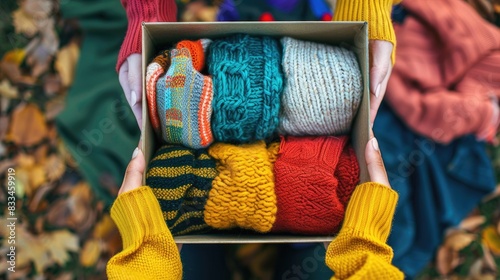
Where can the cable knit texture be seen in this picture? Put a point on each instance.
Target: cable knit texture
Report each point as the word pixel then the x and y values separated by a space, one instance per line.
pixel 155 69
pixel 139 11
pixel 149 251
pixel 315 176
pixel 184 100
pixel 323 89
pixel 360 251
pixel 446 83
pixel 376 12
pixel 242 194
pixel 248 83
pixel 181 179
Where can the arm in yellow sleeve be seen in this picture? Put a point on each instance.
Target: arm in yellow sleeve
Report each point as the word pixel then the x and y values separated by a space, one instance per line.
pixel 360 251
pixel 149 250
pixel 376 12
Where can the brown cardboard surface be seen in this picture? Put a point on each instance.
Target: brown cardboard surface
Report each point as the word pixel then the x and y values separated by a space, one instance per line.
pixel 354 35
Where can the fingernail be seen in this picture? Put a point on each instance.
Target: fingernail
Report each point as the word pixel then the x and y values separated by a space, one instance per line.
pixel 133 98
pixel 377 91
pixel 375 144
pixel 135 153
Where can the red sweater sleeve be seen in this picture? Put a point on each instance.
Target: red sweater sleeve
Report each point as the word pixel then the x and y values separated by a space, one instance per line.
pixel 139 11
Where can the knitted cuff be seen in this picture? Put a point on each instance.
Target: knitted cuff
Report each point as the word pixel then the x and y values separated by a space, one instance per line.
pixel 138 215
pixel 181 180
pixel 184 100
pixel 370 210
pixel 242 194
pixel 139 11
pixel 323 89
pixel 376 13
pixel 310 191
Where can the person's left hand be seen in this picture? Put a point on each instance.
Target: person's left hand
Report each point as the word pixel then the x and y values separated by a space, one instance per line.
pixel 133 176
pixel 380 71
pixel 130 79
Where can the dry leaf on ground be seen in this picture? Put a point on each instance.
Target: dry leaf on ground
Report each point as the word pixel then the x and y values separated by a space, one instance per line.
pixel 24 23
pixel 492 239
pixel 38 9
pixel 65 63
pixel 28 126
pixel 448 254
pixel 59 243
pixel 54 167
pixel 90 253
pixel 8 90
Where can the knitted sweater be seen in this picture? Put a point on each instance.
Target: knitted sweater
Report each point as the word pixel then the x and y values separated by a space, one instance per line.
pixel 358 252
pixel 376 12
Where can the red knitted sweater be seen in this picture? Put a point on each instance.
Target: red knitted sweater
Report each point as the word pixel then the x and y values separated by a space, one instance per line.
pixel 139 11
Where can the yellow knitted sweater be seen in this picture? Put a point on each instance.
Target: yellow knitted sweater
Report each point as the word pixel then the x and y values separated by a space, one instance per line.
pixel 358 252
pixel 376 12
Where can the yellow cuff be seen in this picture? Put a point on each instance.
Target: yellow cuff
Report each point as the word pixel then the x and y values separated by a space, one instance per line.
pixel 370 210
pixel 376 12
pixel 137 215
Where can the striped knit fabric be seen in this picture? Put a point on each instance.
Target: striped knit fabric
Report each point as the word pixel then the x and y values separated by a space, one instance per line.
pixel 248 83
pixel 154 70
pixel 184 100
pixel 242 194
pixel 181 179
pixel 323 89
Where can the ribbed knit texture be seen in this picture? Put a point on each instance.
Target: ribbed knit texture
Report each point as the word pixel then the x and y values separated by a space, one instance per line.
pixel 181 179
pixel 139 11
pixel 315 176
pixel 149 251
pixel 155 69
pixel 376 13
pixel 197 50
pixel 242 194
pixel 184 100
pixel 360 251
pixel 323 89
pixel 447 77
pixel 248 83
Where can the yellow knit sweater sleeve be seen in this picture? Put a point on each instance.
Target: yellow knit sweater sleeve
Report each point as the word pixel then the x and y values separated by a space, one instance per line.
pixel 376 12
pixel 149 250
pixel 360 251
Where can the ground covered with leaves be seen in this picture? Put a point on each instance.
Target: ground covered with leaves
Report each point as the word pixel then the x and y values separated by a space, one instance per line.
pixel 62 230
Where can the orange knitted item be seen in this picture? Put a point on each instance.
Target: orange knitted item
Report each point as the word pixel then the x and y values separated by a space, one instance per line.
pixel 196 50
pixel 315 177
pixel 155 69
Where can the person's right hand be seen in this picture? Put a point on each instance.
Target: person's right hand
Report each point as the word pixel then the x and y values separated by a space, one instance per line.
pixel 375 164
pixel 131 82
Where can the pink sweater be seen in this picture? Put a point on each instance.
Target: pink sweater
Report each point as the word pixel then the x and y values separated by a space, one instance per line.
pixel 447 76
pixel 137 12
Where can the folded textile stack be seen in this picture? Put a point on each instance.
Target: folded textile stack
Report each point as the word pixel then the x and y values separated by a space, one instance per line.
pixel 255 134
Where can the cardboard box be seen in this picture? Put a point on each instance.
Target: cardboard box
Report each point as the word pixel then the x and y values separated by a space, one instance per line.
pixel 158 36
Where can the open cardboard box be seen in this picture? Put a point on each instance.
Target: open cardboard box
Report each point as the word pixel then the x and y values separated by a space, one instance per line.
pixel 354 35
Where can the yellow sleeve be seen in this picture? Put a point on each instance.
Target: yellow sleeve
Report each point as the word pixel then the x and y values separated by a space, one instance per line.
pixel 360 251
pixel 376 12
pixel 149 250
